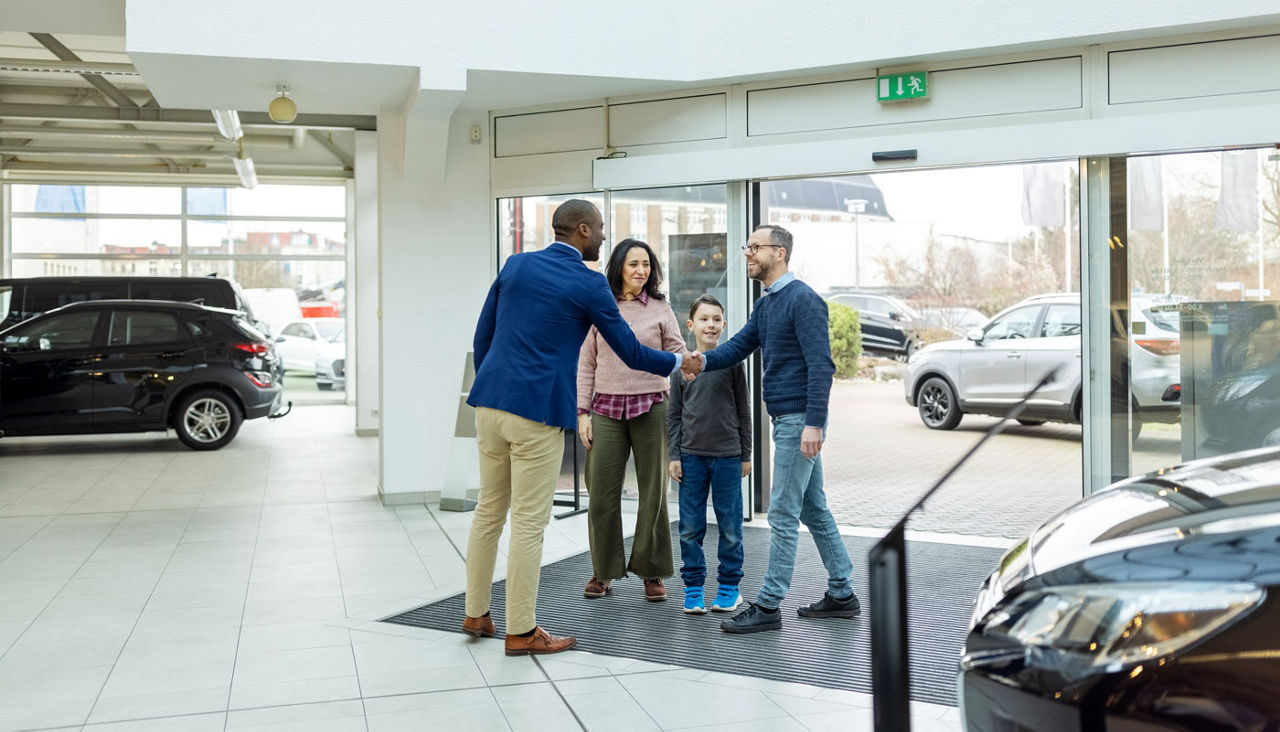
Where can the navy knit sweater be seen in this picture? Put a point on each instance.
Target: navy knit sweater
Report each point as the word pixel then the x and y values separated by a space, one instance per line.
pixel 790 328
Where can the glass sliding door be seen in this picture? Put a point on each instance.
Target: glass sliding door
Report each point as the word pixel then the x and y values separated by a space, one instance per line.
pixel 965 285
pixel 1197 320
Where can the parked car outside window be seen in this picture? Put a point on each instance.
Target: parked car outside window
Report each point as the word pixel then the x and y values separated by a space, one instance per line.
pixel 889 326
pixel 997 364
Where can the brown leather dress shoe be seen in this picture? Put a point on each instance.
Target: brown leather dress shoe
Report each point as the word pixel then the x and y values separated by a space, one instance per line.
pixel 654 591
pixel 481 627
pixel 539 643
pixel 596 588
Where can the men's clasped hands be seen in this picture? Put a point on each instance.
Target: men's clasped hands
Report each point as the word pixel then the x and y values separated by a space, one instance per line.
pixel 691 365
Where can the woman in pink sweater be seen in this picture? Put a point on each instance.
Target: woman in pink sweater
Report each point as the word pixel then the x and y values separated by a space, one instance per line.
pixel 623 412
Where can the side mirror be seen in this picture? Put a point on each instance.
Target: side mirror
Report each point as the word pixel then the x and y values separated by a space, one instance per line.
pixel 975 334
pixel 280 339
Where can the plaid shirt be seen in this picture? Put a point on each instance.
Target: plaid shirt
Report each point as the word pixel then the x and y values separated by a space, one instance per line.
pixel 625 406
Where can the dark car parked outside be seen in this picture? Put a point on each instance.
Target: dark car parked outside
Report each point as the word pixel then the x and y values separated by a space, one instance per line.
pixel 135 366
pixel 1154 604
pixel 889 325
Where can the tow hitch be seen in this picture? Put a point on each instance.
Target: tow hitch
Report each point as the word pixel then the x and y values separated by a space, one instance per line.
pixel 288 407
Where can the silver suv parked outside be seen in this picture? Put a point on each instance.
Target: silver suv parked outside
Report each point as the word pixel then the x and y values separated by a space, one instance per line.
pixel 997 364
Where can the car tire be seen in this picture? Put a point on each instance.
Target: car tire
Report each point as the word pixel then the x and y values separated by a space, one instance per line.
pixel 207 419
pixel 937 404
pixel 1031 422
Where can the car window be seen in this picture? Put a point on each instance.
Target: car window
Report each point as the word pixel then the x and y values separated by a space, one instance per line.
pixel 69 330
pixel 298 330
pixel 140 328
pixel 330 330
pixel 876 305
pixel 1061 320
pixel 1013 324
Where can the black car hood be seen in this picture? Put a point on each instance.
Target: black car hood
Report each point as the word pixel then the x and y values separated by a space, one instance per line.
pixel 1213 498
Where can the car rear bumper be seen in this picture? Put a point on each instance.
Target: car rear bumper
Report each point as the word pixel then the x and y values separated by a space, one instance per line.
pixel 262 401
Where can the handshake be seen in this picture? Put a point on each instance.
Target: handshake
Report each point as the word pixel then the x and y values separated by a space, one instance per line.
pixel 691 364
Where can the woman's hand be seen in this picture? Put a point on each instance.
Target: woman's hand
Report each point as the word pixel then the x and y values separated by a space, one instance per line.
pixel 746 468
pixel 584 430
pixel 674 470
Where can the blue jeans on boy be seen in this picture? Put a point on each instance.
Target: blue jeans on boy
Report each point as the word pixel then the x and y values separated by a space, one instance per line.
pixel 797 496
pixel 722 476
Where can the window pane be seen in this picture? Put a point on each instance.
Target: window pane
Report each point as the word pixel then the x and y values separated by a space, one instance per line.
pixel 284 238
pixel 686 226
pixel 280 291
pixel 97 236
pixel 143 328
pixel 1017 324
pixel 268 200
pixel 1203 269
pixel 97 267
pixel 96 199
pixel 1061 320
pixel 524 224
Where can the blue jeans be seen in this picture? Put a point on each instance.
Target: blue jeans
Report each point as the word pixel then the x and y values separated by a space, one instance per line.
pixel 723 476
pixel 797 496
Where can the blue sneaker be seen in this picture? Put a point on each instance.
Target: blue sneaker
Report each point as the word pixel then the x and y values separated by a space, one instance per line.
pixel 727 599
pixel 694 602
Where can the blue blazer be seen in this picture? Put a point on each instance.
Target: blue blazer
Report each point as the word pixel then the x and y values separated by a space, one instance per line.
pixel 531 328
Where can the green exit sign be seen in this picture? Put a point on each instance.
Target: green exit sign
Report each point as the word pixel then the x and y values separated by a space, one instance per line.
pixel 901 87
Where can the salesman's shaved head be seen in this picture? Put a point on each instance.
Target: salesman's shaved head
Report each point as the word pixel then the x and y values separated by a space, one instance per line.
pixel 571 214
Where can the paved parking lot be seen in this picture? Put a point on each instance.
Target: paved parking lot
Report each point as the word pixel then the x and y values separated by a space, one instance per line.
pixel 879 458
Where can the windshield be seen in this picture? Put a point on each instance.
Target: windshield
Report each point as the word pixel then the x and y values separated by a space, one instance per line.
pixel 331 330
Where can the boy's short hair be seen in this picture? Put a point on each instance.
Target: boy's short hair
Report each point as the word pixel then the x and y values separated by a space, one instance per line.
pixel 704 300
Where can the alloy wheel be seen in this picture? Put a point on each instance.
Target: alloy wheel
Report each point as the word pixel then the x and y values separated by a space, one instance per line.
pixel 207 420
pixel 935 404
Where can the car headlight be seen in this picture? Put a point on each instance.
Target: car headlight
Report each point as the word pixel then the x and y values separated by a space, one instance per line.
pixel 1092 628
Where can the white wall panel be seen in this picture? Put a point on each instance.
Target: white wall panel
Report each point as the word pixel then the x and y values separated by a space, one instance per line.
pixel 1028 86
pixel 1195 70
pixel 668 120
pixel 549 132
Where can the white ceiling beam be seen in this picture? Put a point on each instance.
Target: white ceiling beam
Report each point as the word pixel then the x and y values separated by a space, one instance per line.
pixel 91 152
pixel 23 132
pixel 69 113
pixel 67 67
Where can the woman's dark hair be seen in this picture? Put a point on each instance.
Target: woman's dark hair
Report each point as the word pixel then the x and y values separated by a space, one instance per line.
pixel 701 300
pixel 613 270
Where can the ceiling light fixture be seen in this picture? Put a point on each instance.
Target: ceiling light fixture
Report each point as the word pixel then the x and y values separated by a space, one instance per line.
pixel 244 169
pixel 282 109
pixel 228 124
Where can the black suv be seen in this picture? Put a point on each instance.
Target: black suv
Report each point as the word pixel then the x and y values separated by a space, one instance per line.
pixel 889 325
pixel 136 366
pixel 27 297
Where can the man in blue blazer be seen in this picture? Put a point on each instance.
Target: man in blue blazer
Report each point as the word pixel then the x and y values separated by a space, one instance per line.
pixel 526 353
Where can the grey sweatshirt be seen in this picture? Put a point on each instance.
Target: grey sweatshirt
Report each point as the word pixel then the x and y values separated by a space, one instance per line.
pixel 711 415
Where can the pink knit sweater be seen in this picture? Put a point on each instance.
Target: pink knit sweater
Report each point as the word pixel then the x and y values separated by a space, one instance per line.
pixel 601 371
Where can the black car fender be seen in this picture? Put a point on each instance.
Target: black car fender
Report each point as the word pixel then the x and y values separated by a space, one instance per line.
pixel 209 381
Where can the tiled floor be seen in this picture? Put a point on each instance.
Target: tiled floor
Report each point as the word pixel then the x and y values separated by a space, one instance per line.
pixel 144 586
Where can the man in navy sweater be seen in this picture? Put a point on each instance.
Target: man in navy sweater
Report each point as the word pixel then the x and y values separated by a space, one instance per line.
pixel 789 326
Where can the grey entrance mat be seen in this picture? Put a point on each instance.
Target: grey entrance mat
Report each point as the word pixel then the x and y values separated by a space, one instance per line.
pixel 834 653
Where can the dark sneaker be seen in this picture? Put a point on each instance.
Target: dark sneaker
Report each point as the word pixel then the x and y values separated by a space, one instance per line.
pixel 830 607
pixel 753 620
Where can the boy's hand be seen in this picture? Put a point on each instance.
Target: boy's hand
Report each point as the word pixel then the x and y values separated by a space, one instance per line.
pixel 746 468
pixel 584 430
pixel 811 442
pixel 674 470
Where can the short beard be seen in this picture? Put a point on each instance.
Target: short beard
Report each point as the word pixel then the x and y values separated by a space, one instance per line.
pixel 591 253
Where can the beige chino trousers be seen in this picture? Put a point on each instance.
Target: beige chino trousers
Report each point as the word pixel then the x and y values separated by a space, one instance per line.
pixel 519 467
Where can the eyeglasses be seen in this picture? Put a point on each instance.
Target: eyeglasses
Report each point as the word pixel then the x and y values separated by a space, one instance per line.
pixel 755 248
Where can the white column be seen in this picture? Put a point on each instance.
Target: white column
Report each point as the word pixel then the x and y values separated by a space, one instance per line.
pixel 435 270
pixel 363 292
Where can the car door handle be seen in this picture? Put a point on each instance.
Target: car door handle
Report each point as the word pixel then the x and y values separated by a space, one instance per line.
pixel 1015 354
pixel 171 354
